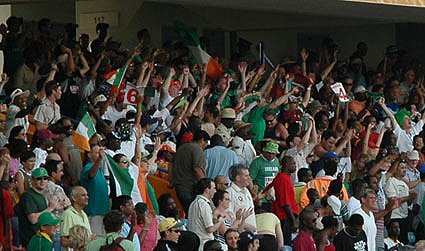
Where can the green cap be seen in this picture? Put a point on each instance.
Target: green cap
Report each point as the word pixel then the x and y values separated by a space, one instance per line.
pixel 39 172
pixel 48 219
pixel 271 147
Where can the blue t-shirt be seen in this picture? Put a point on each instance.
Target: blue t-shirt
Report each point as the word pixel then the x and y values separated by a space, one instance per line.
pixel 97 188
pixel 125 231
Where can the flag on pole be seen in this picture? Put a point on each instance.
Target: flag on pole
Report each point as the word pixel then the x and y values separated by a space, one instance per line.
pixel 214 69
pixel 115 78
pixel 84 132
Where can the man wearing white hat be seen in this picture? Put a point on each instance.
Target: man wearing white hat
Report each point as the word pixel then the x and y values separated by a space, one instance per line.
pixel 17 114
pixel 412 177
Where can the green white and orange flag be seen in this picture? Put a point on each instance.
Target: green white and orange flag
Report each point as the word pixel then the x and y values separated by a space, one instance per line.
pixel 214 69
pixel 84 132
pixel 116 77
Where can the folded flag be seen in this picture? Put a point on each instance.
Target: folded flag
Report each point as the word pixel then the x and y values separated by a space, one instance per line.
pixel 214 69
pixel 84 132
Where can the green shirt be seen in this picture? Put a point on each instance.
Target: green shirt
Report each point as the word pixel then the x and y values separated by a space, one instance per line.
pixel 255 117
pixel 39 243
pixel 108 239
pixel 263 171
pixel 32 202
pixel 231 95
pixel 72 217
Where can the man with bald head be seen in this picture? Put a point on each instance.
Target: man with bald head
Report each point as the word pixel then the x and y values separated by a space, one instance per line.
pixel 75 215
pixel 221 182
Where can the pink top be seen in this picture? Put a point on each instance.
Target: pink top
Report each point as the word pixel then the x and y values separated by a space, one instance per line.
pixel 13 166
pixel 151 238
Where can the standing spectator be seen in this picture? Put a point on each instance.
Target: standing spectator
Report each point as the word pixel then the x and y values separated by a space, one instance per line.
pixel 219 158
pixel 397 188
pixel 221 182
pixel 189 167
pixel 242 142
pixel 125 205
pixel 225 127
pixel 418 222
pixel 118 109
pixel 42 239
pixel 32 204
pixel 75 215
pixel 45 142
pixel 275 131
pixel 357 186
pixel 352 237
pixel 240 197
pixel 113 222
pixel 285 205
pixel 268 224
pixel 55 192
pixel 17 113
pixel 369 226
pixel 147 227
pixel 201 212
pixel 170 233
pixel 412 177
pixel 93 179
pixel 264 168
pixel 323 237
pixel 6 210
pixel 23 176
pixel 49 111
pixel 304 240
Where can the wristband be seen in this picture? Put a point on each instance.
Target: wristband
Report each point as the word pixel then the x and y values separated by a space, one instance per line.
pixel 145 229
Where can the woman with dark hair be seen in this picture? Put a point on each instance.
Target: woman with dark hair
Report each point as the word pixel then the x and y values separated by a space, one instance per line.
pixel 17 132
pixel 15 150
pixel 168 207
pixel 147 227
pixel 221 201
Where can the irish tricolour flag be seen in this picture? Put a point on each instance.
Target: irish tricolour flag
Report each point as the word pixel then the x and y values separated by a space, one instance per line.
pixel 116 77
pixel 214 70
pixel 83 133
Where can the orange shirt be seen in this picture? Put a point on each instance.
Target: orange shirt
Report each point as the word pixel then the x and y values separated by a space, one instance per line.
pixel 321 185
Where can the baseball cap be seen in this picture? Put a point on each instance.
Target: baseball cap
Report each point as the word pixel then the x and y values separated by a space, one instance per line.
pixel 360 89
pixel 100 98
pixel 331 154
pixel 39 172
pixel 413 155
pixel 147 120
pixel 45 134
pixel 48 219
pixel 335 204
pixel 169 223
pixel 271 147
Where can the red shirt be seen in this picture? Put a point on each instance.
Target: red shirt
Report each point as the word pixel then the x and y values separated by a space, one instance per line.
pixel 285 195
pixel 304 242
pixel 8 213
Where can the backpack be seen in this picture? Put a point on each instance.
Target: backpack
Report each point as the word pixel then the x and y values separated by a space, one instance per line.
pixel 114 246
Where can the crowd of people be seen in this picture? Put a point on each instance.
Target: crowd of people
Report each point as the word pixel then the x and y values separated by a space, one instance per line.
pixel 319 153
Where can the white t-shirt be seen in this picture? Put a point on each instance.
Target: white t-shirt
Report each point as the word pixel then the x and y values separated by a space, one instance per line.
pixel 369 227
pixel 352 205
pixel 40 157
pixel 113 114
pixel 395 188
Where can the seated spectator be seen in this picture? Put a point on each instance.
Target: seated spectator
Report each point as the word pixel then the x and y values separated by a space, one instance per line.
pixel 248 241
pixel 170 233
pixel 231 236
pixel 113 222
pixel 392 242
pixel 42 239
pixel 23 176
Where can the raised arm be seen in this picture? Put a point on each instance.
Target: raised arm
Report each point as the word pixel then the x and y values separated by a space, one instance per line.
pixel 328 69
pixel 387 111
pixel 166 85
pixel 93 72
pixel 283 99
pixel 242 66
pixel 304 56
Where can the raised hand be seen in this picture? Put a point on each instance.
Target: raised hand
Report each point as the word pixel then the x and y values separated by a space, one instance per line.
pixel 243 66
pixel 304 54
pixel 172 71
pixel 186 70
pixel 261 70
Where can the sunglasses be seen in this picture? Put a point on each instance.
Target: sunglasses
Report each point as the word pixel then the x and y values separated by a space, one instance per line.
pixel 124 161
pixel 175 230
pixel 41 178
pixel 226 184
pixel 269 121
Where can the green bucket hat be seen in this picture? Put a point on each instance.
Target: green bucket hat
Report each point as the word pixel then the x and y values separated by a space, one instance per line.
pixel 47 219
pixel 39 172
pixel 271 147
pixel 400 115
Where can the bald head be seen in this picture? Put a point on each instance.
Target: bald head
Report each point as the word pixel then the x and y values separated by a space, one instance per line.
pixel 54 156
pixel 221 182
pixel 79 197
